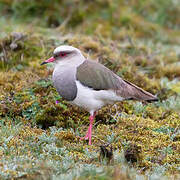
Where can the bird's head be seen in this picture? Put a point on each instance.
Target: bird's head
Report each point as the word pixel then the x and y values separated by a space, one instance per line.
pixel 64 53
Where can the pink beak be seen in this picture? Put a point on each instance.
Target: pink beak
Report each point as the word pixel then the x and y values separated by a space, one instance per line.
pixel 51 59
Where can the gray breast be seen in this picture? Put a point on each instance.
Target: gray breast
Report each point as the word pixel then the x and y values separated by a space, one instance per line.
pixel 64 82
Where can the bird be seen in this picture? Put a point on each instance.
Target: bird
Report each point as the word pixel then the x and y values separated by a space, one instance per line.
pixel 90 85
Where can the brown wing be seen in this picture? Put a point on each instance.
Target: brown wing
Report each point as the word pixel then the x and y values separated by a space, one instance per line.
pixel 98 77
pixel 131 91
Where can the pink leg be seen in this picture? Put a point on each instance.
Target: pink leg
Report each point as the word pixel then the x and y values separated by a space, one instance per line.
pixel 91 118
pixel 89 132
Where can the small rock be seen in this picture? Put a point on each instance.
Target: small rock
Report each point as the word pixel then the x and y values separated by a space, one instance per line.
pixel 17 36
pixel 132 153
pixel 106 153
pixel 13 46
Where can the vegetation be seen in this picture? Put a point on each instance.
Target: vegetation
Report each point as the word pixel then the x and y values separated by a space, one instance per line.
pixel 138 40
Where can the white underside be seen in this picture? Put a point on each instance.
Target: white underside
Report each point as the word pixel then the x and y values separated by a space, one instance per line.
pixel 92 100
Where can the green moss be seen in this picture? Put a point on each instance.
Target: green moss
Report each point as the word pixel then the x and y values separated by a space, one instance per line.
pixel 40 139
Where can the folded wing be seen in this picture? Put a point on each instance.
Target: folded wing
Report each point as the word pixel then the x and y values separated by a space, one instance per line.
pixel 98 77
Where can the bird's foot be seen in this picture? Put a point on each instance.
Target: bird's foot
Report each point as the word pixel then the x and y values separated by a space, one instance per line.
pixel 86 136
pixel 89 132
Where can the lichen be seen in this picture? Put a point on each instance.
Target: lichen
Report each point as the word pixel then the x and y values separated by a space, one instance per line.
pixel 40 138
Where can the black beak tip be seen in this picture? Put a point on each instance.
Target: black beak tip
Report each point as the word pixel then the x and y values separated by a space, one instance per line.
pixel 43 63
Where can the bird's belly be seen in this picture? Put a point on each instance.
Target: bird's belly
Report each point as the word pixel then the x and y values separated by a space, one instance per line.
pixel 92 100
pixel 85 98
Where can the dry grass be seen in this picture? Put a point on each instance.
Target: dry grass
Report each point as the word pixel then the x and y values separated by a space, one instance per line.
pixel 38 138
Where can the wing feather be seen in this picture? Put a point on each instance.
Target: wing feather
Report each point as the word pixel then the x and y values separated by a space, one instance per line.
pixel 98 77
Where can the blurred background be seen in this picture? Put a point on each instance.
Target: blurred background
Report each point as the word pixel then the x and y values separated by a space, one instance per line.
pixel 108 18
pixel 137 39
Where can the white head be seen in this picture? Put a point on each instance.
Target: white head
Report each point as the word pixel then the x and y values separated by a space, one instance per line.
pixel 65 53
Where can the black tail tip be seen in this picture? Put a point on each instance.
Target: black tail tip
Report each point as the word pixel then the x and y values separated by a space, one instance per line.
pixel 152 100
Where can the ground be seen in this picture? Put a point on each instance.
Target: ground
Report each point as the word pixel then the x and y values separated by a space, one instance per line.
pixel 131 140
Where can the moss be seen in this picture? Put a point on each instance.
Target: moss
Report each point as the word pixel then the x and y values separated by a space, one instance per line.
pixel 120 35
